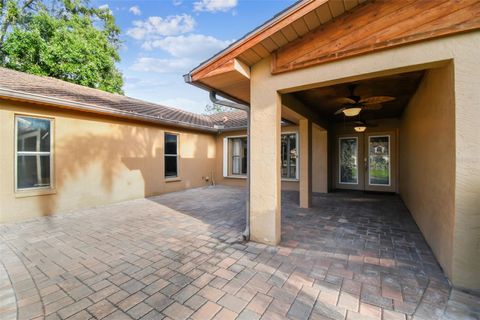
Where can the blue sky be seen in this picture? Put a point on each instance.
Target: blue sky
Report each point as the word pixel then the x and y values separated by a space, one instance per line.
pixel 162 40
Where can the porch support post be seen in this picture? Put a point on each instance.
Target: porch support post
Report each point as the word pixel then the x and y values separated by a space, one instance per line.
pixel 265 135
pixel 305 130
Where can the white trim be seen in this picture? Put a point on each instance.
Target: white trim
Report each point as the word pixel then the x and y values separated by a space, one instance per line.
pixel 297 164
pixel 255 32
pixel 389 163
pixel 225 157
pixel 340 161
pixel 16 153
pixel 177 176
pixel 297 146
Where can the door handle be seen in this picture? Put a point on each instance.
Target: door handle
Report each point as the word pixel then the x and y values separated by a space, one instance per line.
pixel 365 161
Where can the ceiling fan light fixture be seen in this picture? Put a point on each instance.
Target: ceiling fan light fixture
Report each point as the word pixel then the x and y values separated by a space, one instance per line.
pixel 352 112
pixel 360 128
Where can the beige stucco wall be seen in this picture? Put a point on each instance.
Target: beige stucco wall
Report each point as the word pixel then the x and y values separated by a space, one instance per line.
pixel 319 159
pixel 99 160
pixel 462 51
pixel 427 161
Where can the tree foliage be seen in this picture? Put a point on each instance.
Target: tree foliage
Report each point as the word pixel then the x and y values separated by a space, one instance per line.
pixel 65 39
pixel 216 108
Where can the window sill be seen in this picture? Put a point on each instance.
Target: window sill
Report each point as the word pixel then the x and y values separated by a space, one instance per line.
pixel 34 192
pixel 245 177
pixel 176 179
pixel 236 177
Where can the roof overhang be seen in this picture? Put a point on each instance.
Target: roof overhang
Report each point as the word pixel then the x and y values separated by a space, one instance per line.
pixel 311 32
pixel 218 72
pixel 84 107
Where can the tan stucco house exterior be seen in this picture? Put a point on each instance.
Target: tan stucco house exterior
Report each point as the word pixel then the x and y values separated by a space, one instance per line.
pixel 67 147
pixel 300 66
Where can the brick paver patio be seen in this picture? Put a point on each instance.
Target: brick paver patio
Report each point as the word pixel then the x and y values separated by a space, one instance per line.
pixel 178 256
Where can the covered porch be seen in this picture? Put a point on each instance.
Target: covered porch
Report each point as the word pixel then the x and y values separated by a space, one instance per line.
pixel 298 64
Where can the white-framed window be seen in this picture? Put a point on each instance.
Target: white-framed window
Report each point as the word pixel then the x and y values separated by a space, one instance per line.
pixel 33 153
pixel 235 156
pixel 171 155
pixel 289 155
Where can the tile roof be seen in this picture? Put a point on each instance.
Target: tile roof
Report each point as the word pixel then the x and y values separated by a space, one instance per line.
pixel 230 119
pixel 55 88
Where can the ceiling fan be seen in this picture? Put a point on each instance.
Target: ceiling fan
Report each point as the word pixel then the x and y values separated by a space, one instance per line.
pixel 353 104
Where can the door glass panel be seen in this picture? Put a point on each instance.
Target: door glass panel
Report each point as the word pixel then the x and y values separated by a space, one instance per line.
pixel 348 154
pixel 379 160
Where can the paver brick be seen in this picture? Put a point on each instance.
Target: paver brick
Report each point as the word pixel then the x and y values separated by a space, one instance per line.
pixel 101 309
pixel 233 303
pixel 363 260
pixel 132 301
pixel 139 310
pixel 207 311
pixel 159 301
pixel 225 314
pixel 177 311
pixel 259 303
pixel 74 308
pixel 211 293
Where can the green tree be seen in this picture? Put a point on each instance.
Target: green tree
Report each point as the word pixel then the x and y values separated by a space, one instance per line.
pixel 216 108
pixel 67 40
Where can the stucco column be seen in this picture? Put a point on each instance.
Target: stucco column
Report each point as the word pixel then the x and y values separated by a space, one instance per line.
pixel 466 242
pixel 265 134
pixel 305 131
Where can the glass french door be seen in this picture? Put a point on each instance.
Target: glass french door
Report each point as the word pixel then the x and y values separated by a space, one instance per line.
pixel 349 168
pixel 348 157
pixel 366 161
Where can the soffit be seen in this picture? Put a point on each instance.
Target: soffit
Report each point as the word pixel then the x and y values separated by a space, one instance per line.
pixel 401 86
pixel 288 26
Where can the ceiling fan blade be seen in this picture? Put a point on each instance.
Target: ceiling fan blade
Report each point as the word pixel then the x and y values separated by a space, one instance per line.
pixel 378 99
pixel 362 123
pixel 345 100
pixel 375 106
pixel 339 111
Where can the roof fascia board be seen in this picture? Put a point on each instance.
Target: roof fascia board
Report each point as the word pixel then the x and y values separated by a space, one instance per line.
pixel 296 11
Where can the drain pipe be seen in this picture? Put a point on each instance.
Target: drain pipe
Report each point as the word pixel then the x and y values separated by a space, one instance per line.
pixel 246 108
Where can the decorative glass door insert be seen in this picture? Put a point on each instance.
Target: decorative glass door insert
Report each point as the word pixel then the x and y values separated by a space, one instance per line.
pixel 379 160
pixel 348 156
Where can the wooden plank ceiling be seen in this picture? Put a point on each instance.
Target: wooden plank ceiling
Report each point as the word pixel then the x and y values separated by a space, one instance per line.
pixel 309 17
pixel 319 31
pixel 297 29
pixel 378 25
pixel 401 86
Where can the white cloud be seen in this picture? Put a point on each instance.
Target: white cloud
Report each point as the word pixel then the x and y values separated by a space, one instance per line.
pixel 154 26
pixel 160 65
pixel 176 3
pixel 105 7
pixel 184 104
pixel 135 10
pixel 214 5
pixel 197 46
pixel 137 83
